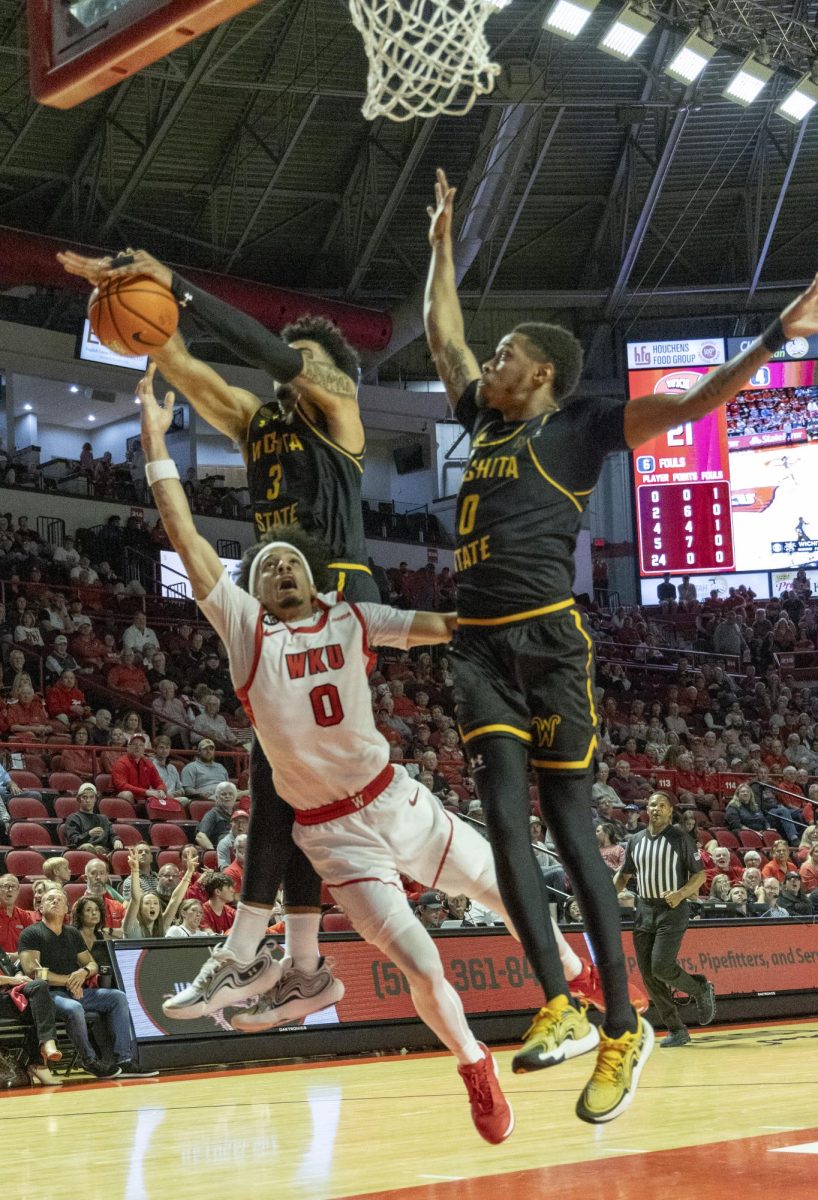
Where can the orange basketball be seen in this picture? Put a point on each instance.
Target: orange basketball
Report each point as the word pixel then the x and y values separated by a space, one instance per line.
pixel 133 315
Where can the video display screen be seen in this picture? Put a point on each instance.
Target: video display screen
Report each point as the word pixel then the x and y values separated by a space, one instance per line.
pixel 737 491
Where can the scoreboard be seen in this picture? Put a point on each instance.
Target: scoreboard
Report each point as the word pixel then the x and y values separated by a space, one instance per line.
pixel 682 482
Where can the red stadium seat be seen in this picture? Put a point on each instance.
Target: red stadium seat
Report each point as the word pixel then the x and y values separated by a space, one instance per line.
pixel 25 864
pixel 117 810
pixel 26 808
pixel 725 838
pixel 168 856
pixel 704 836
pixel 36 763
pixel 120 864
pixel 25 897
pixel 163 835
pixel 65 782
pixel 129 835
pixel 717 821
pixel 29 833
pixel 27 780
pixel 198 808
pixel 104 784
pixel 750 840
pixel 74 892
pixel 770 836
pixel 64 806
pixel 210 862
pixel 336 922
pixel 76 860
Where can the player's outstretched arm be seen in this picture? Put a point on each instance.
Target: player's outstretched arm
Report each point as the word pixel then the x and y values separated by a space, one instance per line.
pixel 228 409
pixel 430 628
pixel 442 316
pixel 201 561
pixel 647 416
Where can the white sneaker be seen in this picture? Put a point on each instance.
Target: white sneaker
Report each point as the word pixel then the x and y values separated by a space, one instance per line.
pixel 297 994
pixel 223 981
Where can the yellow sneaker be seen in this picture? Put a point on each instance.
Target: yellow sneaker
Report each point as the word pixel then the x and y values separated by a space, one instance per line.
pixel 619 1064
pixel 559 1031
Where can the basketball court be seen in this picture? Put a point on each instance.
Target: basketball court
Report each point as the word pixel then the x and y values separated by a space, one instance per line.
pixel 736 1109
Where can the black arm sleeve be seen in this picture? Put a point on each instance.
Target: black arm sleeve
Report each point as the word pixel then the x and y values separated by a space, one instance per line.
pixel 246 337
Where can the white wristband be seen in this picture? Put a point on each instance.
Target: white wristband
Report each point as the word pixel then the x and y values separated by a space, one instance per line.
pixel 163 468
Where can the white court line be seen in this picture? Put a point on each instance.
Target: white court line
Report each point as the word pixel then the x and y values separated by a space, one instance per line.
pixel 782 1128
pixel 452 1177
pixel 804 1148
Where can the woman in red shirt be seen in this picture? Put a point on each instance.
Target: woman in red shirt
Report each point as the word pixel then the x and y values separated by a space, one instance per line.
pixel 76 758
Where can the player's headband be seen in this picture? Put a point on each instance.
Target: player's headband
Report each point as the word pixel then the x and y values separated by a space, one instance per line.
pixel 272 548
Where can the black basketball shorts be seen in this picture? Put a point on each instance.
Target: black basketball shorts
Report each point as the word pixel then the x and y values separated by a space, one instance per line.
pixel 532 681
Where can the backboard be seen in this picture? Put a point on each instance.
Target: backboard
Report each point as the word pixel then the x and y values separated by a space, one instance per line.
pixel 79 48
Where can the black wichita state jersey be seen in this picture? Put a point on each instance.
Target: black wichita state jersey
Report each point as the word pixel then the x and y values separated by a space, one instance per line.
pixel 520 504
pixel 297 475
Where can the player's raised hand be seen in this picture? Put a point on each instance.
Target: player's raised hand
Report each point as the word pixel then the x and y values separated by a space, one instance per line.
pixel 93 269
pixel 139 262
pixel 156 416
pixel 441 215
pixel 800 319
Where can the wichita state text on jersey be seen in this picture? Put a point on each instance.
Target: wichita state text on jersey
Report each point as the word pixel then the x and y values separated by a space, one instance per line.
pixel 521 502
pixel 297 475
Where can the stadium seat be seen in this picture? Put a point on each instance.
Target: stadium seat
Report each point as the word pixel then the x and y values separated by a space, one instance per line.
pixel 717 821
pixel 750 840
pixel 210 862
pixel 25 864
pixel 770 836
pixel 64 806
pixel 65 782
pixel 725 838
pixel 168 856
pixel 120 864
pixel 25 897
pixel 73 892
pixel 104 784
pixel 26 808
pixel 129 835
pixel 163 835
pixel 76 860
pixel 198 808
pixel 36 763
pixel 27 780
pixel 336 922
pixel 29 833
pixel 117 810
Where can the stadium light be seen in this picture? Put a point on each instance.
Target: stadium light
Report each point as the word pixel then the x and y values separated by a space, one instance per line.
pixel 568 18
pixel 627 33
pixel 690 59
pixel 801 100
pixel 748 82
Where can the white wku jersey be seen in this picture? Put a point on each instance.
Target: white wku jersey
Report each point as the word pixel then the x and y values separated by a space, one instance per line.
pixel 305 688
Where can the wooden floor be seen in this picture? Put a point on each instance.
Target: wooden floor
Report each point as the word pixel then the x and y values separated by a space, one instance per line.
pixel 734 1113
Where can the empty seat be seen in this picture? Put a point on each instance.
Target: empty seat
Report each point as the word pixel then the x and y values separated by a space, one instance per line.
pixel 168 856
pixel 163 835
pixel 120 864
pixel 770 836
pixel 198 808
pixel 29 833
pixel 116 809
pixel 65 782
pixel 24 864
pixel 74 892
pixel 129 835
pixel 26 808
pixel 749 839
pixel 27 780
pixel 64 806
pixel 104 784
pixel 725 838
pixel 77 860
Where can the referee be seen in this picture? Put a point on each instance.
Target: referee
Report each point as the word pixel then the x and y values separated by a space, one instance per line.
pixel 668 870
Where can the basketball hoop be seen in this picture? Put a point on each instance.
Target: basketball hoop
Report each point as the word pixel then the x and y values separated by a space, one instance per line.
pixel 426 57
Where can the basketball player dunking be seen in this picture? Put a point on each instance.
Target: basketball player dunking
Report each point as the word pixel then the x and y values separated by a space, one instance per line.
pixel 305 462
pixel 522 657
pixel 300 663
pixel 305 457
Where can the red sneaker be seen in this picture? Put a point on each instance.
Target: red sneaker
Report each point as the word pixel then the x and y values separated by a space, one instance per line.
pixel 491 1112
pixel 588 987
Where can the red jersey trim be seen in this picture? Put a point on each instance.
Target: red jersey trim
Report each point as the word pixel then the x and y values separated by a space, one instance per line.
pixel 445 852
pixel 369 655
pixel 243 692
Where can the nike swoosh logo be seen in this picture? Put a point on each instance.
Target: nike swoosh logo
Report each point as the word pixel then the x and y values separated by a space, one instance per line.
pixel 414 799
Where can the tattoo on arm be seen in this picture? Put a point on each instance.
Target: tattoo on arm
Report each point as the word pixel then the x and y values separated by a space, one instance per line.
pixel 452 362
pixel 329 378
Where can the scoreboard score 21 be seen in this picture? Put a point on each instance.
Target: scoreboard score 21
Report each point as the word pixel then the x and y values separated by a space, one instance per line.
pixel 682 483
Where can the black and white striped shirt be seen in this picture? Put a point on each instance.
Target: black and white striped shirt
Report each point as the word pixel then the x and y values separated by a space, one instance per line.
pixel 663 863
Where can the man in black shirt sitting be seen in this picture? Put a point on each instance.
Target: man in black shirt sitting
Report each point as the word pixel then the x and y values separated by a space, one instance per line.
pixel 87 829
pixel 53 944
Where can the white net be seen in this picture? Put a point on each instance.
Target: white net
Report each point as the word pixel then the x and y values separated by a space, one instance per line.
pixel 426 57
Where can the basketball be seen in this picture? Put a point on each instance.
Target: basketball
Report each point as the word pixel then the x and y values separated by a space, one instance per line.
pixel 133 315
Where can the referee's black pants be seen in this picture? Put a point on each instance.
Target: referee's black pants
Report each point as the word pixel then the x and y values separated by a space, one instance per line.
pixel 657 936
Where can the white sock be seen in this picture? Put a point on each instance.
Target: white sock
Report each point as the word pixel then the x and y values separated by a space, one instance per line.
pixel 247 931
pixel 571 962
pixel 301 932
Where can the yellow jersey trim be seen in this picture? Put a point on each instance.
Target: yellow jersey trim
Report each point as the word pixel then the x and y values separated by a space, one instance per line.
pixel 587 492
pixel 589 683
pixel 553 482
pixel 483 729
pixel 345 566
pixel 480 440
pixel 579 765
pixel 520 616
pixel 354 458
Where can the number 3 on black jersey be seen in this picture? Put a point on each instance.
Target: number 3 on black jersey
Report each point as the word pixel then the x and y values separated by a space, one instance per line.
pixel 276 473
pixel 468 513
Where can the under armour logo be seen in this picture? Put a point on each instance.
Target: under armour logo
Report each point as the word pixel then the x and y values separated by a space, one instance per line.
pixel 546 728
pixel 476 762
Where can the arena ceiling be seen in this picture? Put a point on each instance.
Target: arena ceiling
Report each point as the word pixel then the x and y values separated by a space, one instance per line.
pixel 595 191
